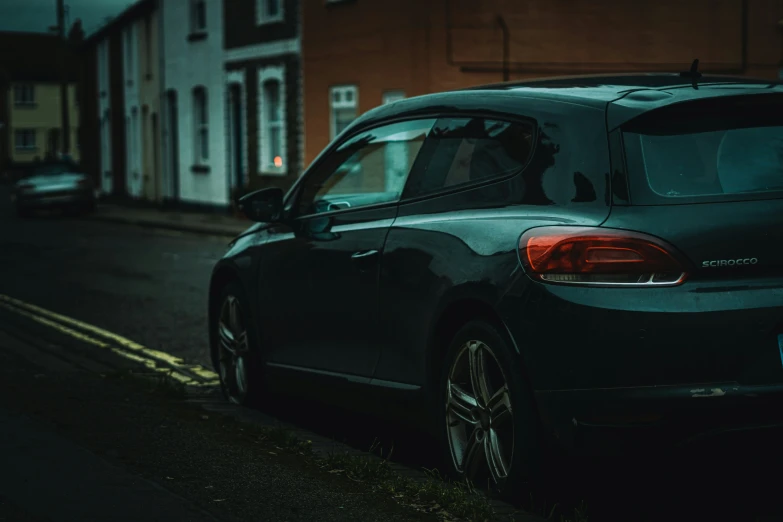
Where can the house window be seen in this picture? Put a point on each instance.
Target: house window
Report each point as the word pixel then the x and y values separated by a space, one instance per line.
pixel 198 16
pixel 272 121
pixel 129 58
pixel 344 102
pixel 148 44
pixel 135 139
pixel 393 96
pixel 200 114
pixel 269 11
pixel 24 95
pixel 24 139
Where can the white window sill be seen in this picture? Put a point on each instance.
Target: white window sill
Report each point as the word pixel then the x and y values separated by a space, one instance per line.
pixel 271 171
pixel 268 21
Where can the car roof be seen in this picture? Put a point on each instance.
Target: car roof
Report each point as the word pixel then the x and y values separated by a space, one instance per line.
pixel 623 96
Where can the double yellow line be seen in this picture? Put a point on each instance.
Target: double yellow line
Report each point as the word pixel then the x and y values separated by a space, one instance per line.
pixel 176 368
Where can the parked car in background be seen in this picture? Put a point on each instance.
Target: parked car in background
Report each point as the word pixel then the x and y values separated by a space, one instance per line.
pixel 593 262
pixel 10 173
pixel 54 185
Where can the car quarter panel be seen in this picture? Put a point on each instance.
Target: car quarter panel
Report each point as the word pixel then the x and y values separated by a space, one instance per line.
pixel 463 244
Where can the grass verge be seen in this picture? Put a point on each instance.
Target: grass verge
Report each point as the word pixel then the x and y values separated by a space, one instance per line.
pixel 431 493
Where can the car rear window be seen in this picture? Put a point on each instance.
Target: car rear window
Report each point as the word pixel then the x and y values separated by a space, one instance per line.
pixel 724 149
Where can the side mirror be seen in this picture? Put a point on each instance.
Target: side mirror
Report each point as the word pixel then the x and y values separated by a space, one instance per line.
pixel 263 205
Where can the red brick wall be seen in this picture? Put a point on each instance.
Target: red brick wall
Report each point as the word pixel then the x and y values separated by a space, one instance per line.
pixel 406 44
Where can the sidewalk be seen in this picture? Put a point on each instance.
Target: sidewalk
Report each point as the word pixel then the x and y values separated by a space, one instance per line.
pixel 210 224
pixel 80 446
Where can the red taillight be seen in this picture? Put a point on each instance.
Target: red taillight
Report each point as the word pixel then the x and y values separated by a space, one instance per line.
pixel 588 255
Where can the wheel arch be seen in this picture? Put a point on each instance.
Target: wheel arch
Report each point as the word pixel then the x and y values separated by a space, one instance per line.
pixel 454 315
pixel 222 276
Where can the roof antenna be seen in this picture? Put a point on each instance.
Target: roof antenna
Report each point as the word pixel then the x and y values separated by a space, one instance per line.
pixel 693 74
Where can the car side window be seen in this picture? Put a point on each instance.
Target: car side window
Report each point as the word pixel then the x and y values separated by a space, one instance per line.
pixel 368 169
pixel 460 151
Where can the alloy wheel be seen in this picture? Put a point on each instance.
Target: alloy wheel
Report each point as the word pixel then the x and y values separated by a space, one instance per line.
pixel 233 350
pixel 479 415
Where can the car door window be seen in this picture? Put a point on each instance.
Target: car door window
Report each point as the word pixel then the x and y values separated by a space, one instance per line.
pixel 368 169
pixel 460 151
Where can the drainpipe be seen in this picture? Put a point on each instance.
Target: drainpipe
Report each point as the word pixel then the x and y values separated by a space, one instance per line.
pixel 780 28
pixel 64 105
pixel 744 36
pixel 506 46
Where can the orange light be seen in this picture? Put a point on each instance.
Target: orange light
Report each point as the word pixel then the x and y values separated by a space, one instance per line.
pixel 278 161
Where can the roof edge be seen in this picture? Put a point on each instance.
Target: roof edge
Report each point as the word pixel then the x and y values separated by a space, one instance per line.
pixel 130 14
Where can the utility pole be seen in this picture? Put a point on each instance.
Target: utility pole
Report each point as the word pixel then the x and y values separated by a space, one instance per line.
pixel 64 63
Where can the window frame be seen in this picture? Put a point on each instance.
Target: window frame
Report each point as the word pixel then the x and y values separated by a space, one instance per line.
pixel 200 123
pixel 294 195
pixel 354 104
pixel 195 28
pixel 24 87
pixel 31 148
pixel 263 19
pixel 266 167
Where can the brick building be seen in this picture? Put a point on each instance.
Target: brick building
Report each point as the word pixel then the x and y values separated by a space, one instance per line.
pixel 358 54
pixel 263 71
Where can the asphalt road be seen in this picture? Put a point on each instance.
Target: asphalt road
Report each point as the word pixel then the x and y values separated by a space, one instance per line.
pixel 149 286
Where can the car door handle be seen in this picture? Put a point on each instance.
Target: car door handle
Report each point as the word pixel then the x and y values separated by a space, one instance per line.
pixel 364 254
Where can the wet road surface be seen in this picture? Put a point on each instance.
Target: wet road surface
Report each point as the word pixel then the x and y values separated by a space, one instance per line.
pixel 151 286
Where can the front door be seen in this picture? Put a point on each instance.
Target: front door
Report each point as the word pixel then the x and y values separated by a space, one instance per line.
pixel 155 165
pixel 320 269
pixel 53 144
pixel 236 134
pixel 173 144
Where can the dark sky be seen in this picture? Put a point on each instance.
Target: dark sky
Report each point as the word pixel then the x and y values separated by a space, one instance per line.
pixel 38 15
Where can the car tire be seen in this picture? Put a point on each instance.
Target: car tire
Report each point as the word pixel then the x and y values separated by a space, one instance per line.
pixel 492 437
pixel 235 347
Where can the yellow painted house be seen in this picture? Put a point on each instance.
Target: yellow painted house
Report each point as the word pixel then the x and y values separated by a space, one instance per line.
pixel 35 122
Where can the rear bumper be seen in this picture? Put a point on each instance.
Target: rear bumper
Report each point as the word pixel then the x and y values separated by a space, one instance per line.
pixel 60 199
pixel 648 419
pixel 627 369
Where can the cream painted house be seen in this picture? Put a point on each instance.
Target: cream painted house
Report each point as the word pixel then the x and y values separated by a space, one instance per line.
pixel 35 122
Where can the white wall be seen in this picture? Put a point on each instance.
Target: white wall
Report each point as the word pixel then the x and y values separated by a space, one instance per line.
pixel 187 65
pixel 131 79
pixel 104 123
